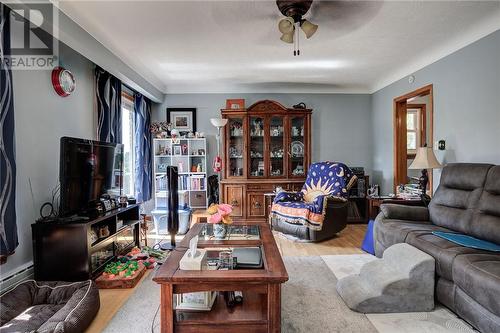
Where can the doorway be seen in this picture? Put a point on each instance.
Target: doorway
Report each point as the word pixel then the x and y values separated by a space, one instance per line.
pixel 413 128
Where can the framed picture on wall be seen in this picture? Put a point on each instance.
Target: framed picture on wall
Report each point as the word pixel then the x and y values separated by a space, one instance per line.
pixel 182 119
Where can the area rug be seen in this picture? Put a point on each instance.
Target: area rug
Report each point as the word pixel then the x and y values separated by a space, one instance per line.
pixel 441 320
pixel 310 303
pixel 139 313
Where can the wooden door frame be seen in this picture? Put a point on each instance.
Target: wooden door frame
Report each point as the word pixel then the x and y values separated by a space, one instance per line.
pixel 400 103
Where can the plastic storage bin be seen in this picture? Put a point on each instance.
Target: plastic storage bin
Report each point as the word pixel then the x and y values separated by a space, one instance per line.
pixel 162 200
pixel 160 221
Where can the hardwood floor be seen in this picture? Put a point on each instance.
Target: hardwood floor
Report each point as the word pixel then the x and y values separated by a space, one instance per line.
pixel 347 242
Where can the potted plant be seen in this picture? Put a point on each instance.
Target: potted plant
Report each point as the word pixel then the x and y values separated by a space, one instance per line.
pixel 219 217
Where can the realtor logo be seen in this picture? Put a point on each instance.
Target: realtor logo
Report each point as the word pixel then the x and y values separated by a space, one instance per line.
pixel 34 33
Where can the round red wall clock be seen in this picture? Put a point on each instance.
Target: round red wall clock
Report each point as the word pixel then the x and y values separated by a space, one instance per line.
pixel 63 81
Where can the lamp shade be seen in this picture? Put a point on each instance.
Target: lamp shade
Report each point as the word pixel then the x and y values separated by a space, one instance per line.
pixel 308 28
pixel 287 38
pixel 218 122
pixel 425 159
pixel 285 25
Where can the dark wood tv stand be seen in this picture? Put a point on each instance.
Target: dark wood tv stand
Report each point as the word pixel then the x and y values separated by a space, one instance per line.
pixel 67 251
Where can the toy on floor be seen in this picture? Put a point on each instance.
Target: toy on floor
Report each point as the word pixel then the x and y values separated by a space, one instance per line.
pixel 123 273
pixel 125 269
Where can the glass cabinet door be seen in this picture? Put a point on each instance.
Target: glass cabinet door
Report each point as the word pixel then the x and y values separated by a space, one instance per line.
pixel 296 158
pixel 236 147
pixel 276 146
pixel 257 147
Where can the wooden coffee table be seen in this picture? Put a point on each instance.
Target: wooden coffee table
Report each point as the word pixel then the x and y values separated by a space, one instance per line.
pixel 261 308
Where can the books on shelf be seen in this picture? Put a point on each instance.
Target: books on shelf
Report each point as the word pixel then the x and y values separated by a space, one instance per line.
pixel 161 182
pixel 197 183
pixel 189 155
pixel 183 182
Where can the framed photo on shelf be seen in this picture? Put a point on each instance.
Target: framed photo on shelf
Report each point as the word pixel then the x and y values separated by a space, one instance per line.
pixel 235 104
pixel 182 119
pixel 177 151
pixel 197 301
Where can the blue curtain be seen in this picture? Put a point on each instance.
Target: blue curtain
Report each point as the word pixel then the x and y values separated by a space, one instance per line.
pixel 8 228
pixel 143 180
pixel 108 90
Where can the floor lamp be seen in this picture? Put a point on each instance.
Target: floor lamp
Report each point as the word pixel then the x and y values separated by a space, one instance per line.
pixel 219 123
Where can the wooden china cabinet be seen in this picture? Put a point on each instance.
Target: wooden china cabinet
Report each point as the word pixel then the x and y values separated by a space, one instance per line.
pixel 265 146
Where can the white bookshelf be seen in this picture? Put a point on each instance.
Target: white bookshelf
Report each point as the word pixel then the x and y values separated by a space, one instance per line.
pixel 189 155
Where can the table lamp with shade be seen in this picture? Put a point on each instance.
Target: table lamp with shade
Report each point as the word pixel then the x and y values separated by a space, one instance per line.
pixel 425 159
pixel 219 123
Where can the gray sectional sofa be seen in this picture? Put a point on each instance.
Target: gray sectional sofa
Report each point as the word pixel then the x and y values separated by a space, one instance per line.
pixel 467 201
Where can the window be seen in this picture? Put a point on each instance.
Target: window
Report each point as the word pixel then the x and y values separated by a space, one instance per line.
pixel 128 131
pixel 412 131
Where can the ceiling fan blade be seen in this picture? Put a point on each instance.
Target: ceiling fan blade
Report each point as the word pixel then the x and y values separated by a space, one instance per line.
pixel 343 15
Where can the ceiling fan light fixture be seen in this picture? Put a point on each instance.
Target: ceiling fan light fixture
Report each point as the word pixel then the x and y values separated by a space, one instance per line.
pixel 287 38
pixel 286 25
pixel 308 28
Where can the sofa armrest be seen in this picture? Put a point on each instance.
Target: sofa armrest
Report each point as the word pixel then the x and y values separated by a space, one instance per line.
pixel 402 212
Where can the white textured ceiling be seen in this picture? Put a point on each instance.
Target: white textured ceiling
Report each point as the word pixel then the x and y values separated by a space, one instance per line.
pixel 234 46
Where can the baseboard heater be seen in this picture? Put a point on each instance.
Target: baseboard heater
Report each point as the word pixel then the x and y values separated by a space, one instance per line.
pixel 12 280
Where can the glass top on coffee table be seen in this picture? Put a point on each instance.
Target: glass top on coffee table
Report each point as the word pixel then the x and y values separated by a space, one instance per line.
pixel 233 232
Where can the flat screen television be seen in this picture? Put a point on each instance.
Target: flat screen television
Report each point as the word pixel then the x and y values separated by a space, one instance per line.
pixel 88 169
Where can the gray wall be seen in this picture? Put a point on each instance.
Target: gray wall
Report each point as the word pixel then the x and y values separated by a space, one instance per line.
pixel 466 108
pixel 41 119
pixel 341 128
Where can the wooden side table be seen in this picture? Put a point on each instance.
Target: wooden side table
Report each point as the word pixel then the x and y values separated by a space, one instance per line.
pixel 375 202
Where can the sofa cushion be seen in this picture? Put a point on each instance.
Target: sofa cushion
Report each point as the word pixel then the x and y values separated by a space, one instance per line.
pixel 443 251
pixel 464 176
pixel 482 319
pixel 445 292
pixel 391 231
pixel 478 275
pixel 486 220
pixel 457 196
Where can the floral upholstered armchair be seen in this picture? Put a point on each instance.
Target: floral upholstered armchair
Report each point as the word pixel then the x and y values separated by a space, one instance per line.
pixel 319 210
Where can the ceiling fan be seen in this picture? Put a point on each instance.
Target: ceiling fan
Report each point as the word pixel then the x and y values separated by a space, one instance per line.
pixel 290 26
